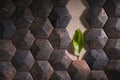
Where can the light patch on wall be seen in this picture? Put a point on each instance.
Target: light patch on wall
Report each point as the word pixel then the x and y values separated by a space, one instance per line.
pixel 76 8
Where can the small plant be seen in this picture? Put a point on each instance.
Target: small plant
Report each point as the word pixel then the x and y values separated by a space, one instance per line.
pixel 78 41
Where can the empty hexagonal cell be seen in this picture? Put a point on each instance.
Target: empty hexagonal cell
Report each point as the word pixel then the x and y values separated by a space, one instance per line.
pixel 60 75
pixel 97 59
pixel 112 49
pixel 113 70
pixel 22 18
pixel 112 27
pixel 7 50
pixel 41 8
pixel 60 39
pixel 60 3
pixel 22 3
pixel 112 7
pixel 23 76
pixel 23 39
pixel 42 49
pixel 96 38
pixel 7 71
pixel 97 75
pixel 7 28
pixel 6 8
pixel 59 60
pixel 41 28
pixel 60 17
pixel 78 70
pixel 23 60
pixel 42 70
pixel 94 3
pixel 96 17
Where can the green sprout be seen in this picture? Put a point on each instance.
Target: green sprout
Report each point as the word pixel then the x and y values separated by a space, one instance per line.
pixel 78 41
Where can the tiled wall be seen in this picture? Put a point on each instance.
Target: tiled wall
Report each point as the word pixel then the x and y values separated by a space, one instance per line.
pixel 34 41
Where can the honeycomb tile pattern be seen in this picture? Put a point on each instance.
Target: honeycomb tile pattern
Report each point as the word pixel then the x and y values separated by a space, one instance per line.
pixel 103 39
pixel 34 41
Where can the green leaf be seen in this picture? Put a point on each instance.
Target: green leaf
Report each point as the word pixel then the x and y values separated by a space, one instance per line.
pixel 78 40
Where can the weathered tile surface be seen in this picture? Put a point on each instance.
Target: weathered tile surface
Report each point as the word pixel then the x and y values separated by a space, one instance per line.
pixel 41 70
pixel 41 28
pixel 97 59
pixel 41 49
pixel 59 60
pixel 23 60
pixel 7 50
pixel 60 17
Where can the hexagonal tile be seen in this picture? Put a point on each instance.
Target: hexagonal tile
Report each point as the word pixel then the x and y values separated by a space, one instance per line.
pixel 97 59
pixel 23 39
pixel 42 49
pixel 60 75
pixel 22 18
pixel 94 3
pixel 96 38
pixel 41 8
pixel 60 17
pixel 97 75
pixel 23 60
pixel 6 8
pixel 22 3
pixel 41 70
pixel 96 17
pixel 59 60
pixel 60 39
pixel 60 3
pixel 78 70
pixel 112 49
pixel 41 28
pixel 7 28
pixel 7 50
pixel 7 71
pixel 23 76
pixel 112 7
pixel 113 70
pixel 112 28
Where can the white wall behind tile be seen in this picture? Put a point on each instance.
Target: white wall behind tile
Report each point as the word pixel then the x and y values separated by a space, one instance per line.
pixel 77 9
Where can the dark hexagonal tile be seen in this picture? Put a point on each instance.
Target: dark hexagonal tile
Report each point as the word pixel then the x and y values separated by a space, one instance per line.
pixel 94 3
pixel 41 28
pixel 113 70
pixel 41 70
pixel 23 60
pixel 41 8
pixel 23 76
pixel 60 3
pixel 97 59
pixel 23 39
pixel 6 8
pixel 79 70
pixel 96 38
pixel 22 18
pixel 42 49
pixel 96 17
pixel 7 28
pixel 22 3
pixel 7 50
pixel 97 75
pixel 112 49
pixel 7 71
pixel 60 17
pixel 59 60
pixel 60 39
pixel 112 27
pixel 112 7
pixel 60 75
